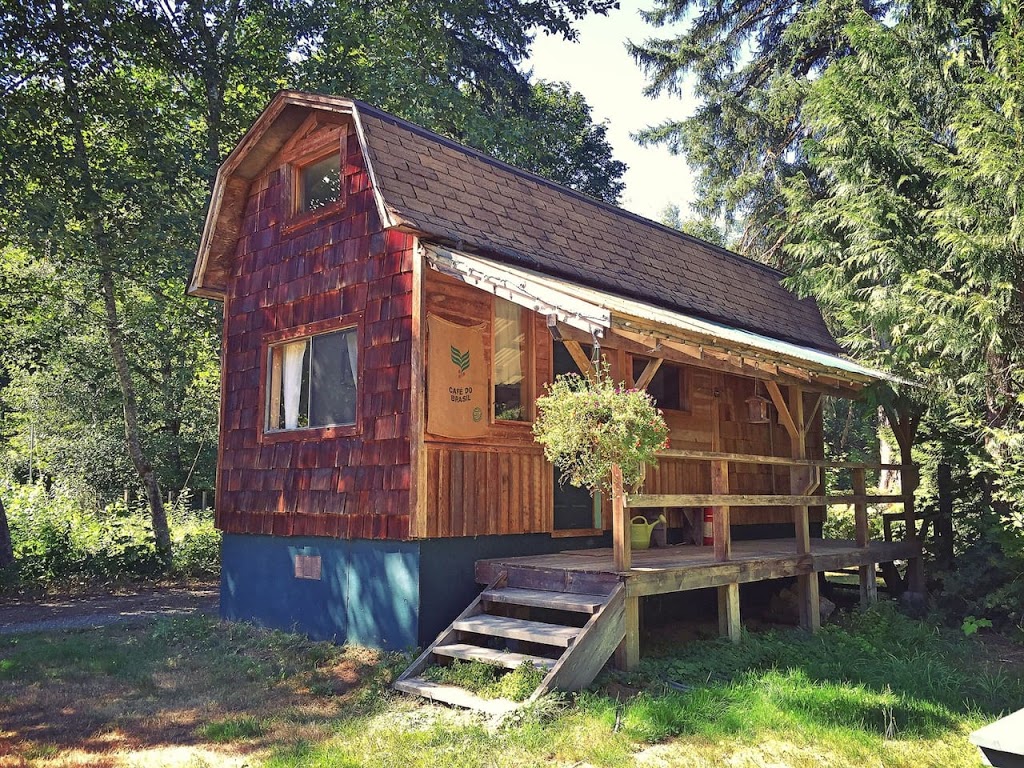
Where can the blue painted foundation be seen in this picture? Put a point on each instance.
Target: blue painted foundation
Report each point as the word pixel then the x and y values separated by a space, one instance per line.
pixel 382 594
pixel 368 592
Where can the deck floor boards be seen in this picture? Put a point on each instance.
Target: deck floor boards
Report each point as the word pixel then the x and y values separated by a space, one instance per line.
pixel 684 567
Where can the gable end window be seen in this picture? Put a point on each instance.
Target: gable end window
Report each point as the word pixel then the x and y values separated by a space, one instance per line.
pixel 312 381
pixel 319 183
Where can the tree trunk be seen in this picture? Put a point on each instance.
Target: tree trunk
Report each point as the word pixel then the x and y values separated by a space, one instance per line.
pixel 944 520
pixel 161 531
pixel 91 205
pixel 6 547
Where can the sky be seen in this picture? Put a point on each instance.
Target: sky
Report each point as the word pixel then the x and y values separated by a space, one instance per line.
pixel 599 67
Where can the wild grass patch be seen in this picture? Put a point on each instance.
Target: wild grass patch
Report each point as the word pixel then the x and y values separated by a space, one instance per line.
pixel 233 729
pixel 876 689
pixel 488 681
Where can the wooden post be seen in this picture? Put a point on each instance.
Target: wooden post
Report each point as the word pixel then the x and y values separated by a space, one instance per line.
pixel 868 580
pixel 419 524
pixel 728 594
pixel 807 584
pixel 729 612
pixel 620 534
pixel 722 532
pixel 627 655
pixel 909 481
pixel 203 502
pixel 904 425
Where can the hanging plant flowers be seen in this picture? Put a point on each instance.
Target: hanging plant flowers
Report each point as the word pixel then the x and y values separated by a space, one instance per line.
pixel 587 424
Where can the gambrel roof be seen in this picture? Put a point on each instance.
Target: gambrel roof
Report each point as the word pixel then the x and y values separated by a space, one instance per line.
pixel 451 194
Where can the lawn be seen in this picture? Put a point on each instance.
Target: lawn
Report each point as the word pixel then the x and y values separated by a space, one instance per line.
pixel 875 689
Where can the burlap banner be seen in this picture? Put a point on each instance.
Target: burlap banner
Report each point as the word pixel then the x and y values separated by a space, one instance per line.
pixel 457 396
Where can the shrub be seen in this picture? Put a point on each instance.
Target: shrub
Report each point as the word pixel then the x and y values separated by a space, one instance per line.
pixel 58 539
pixel 588 424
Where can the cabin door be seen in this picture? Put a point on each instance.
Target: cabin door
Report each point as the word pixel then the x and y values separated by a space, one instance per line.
pixel 574 507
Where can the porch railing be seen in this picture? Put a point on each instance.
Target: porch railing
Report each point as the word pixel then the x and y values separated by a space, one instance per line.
pixel 805 479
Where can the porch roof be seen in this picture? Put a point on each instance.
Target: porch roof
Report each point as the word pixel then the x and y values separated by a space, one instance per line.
pixel 601 314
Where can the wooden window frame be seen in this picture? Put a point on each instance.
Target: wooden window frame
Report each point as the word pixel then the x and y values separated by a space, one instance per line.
pixel 292 185
pixel 297 333
pixel 529 368
pixel 684 381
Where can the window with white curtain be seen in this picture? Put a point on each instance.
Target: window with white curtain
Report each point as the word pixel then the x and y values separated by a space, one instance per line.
pixel 511 400
pixel 311 382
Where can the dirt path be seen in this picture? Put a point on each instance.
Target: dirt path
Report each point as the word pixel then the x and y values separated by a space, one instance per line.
pixel 61 613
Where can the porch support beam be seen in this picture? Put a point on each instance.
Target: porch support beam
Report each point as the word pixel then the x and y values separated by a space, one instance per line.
pixel 904 422
pixel 649 372
pixel 691 353
pixel 728 594
pixel 868 579
pixel 579 357
pixel 807 584
pixel 627 655
pixel 784 415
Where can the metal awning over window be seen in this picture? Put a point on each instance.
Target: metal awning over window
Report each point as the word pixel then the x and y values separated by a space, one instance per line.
pixel 598 313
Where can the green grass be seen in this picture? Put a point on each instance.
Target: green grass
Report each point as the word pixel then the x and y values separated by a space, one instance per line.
pixel 488 681
pixel 233 729
pixel 876 689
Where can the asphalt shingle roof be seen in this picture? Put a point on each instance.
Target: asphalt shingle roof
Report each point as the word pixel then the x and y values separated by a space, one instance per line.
pixel 456 194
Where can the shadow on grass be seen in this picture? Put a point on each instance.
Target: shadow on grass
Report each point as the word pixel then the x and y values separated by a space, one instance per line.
pixel 171 683
pixel 280 700
pixel 878 673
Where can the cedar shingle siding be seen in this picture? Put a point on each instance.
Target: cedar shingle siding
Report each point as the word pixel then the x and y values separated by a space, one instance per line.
pixel 300 483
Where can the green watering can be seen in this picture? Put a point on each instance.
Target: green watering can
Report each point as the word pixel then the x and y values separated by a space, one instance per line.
pixel 640 531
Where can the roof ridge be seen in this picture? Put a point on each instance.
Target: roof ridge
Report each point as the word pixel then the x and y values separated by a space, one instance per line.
pixel 362 106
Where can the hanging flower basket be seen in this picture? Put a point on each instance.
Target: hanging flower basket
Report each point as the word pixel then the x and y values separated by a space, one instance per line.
pixel 588 424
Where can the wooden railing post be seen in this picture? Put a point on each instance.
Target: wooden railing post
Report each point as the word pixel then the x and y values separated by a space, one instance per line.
pixel 909 480
pixel 728 594
pixel 620 532
pixel 807 584
pixel 868 580
pixel 627 655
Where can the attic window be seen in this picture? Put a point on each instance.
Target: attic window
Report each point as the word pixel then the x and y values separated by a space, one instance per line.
pixel 320 183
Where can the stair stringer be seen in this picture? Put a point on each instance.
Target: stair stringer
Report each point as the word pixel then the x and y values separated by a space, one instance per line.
pixel 583 660
pixel 423 660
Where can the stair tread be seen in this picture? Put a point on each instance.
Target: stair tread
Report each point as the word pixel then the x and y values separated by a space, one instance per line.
pixel 539 598
pixel 490 656
pixel 451 694
pixel 519 629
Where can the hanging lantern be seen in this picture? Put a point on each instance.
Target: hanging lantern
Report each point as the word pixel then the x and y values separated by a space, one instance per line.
pixel 757 408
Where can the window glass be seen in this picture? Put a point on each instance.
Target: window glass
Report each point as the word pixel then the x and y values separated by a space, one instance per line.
pixel 668 387
pixel 312 382
pixel 510 347
pixel 320 183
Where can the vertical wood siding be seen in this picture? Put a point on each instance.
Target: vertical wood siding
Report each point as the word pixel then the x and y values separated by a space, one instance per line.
pixel 500 483
pixel 285 277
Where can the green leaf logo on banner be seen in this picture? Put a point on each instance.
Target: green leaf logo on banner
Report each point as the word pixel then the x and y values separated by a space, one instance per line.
pixel 461 359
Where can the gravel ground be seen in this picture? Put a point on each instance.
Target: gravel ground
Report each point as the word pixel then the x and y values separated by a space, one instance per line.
pixel 63 613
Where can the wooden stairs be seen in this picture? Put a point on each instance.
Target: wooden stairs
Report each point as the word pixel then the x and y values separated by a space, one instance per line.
pixel 569 635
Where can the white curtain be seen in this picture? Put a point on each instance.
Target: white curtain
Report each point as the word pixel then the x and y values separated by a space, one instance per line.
pixel 508 342
pixel 294 354
pixel 352 337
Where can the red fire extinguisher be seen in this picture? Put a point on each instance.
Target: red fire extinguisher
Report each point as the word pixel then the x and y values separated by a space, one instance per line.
pixel 709 527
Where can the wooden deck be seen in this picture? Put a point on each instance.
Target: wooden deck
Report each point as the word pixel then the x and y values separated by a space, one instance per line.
pixel 685 567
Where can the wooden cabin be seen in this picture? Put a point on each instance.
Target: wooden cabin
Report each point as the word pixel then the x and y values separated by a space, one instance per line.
pixel 394 303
